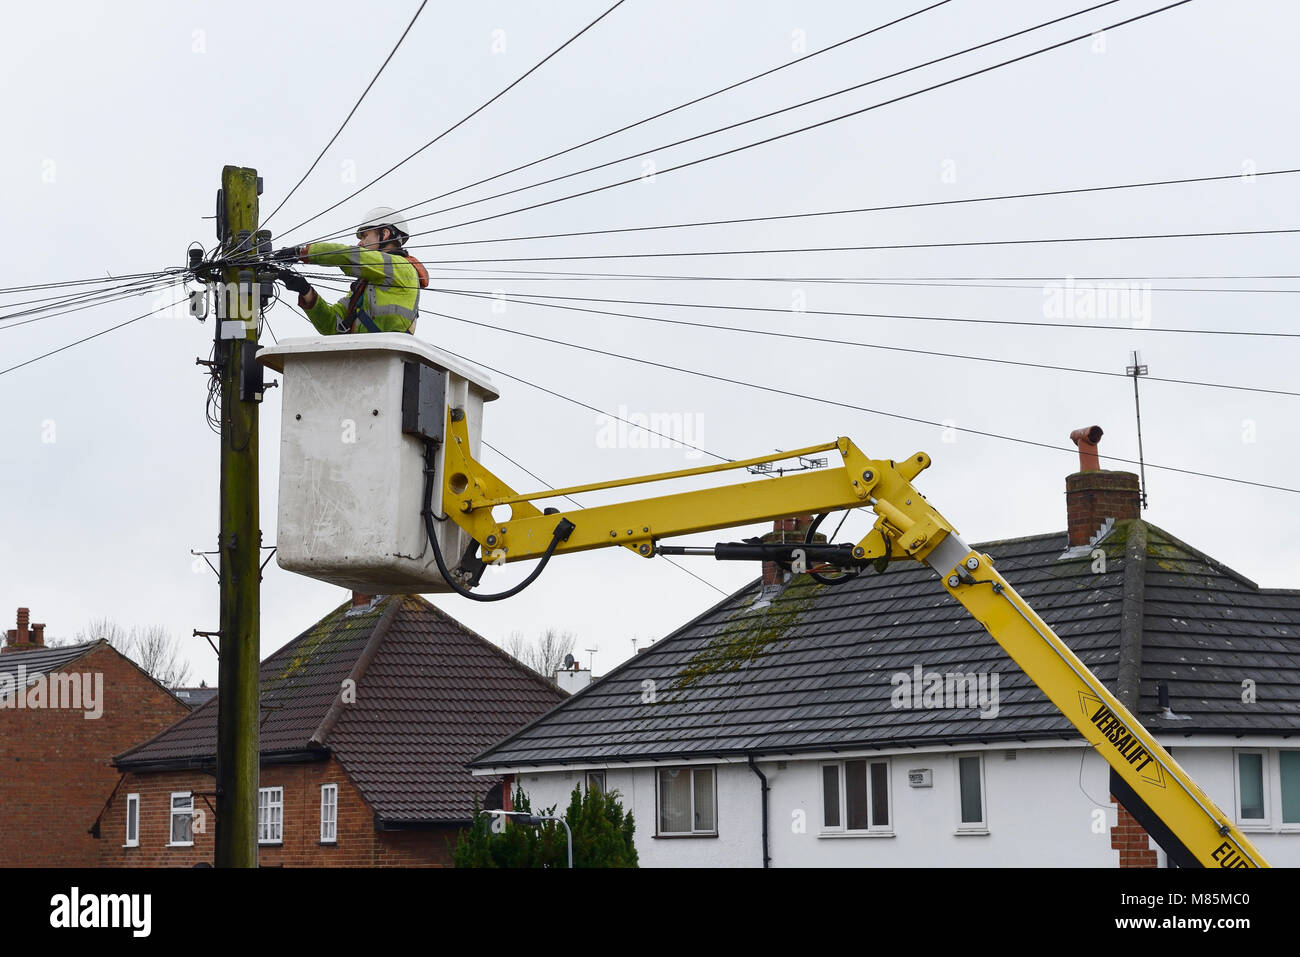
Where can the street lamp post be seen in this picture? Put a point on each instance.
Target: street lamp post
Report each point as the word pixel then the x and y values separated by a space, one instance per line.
pixel 535 820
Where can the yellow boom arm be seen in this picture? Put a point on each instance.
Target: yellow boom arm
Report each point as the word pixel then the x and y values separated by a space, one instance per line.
pixel 906 525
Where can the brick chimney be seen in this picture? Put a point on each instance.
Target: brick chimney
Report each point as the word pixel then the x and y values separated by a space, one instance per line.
pixel 1093 494
pixel 24 638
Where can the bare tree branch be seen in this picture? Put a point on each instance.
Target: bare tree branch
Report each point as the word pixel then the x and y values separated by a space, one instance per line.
pixel 546 655
pixel 152 647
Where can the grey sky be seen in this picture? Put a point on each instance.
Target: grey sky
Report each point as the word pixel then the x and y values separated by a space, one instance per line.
pixel 121 118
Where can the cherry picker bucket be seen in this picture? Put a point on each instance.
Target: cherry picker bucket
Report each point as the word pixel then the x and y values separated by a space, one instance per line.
pixel 358 414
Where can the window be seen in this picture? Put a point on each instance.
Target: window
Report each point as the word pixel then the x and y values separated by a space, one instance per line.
pixel 132 821
pixel 1250 788
pixel 970 795
pixel 855 796
pixel 182 830
pixel 329 813
pixel 596 781
pixel 270 815
pixel 1289 764
pixel 687 803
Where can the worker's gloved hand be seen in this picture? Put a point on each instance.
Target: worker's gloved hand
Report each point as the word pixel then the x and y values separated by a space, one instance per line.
pixel 293 282
pixel 287 255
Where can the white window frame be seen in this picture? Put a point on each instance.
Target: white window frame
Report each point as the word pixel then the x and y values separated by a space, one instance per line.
pixel 600 775
pixel 181 811
pixel 329 822
pixel 269 831
pixel 971 827
pixel 842 829
pixel 659 832
pixel 132 817
pixel 1253 823
pixel 1284 826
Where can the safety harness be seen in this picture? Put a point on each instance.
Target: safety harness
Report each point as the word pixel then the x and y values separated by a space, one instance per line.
pixel 355 314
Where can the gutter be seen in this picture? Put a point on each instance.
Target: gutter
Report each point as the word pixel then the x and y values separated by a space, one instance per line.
pixel 763 789
pixel 208 763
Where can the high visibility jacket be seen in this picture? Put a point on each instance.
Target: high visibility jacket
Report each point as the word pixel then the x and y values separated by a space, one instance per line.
pixel 385 293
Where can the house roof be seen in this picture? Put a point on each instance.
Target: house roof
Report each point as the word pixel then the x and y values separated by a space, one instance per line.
pixel 195 697
pixel 39 661
pixel 42 660
pixel 814 670
pixel 429 694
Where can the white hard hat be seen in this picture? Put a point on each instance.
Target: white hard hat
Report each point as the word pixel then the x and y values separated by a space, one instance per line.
pixel 385 216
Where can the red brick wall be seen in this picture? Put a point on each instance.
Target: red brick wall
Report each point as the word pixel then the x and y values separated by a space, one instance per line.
pixel 358 844
pixel 1093 497
pixel 1132 842
pixel 56 765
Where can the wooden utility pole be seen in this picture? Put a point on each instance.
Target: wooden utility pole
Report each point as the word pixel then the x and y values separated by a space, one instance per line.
pixel 240 535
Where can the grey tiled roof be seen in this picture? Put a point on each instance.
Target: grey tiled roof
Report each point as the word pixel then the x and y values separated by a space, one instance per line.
pixel 429 695
pixel 39 661
pixel 821 679
pixel 195 697
pixel 435 695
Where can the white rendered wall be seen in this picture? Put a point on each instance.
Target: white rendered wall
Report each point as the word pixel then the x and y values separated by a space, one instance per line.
pixel 1050 807
pixel 1214 770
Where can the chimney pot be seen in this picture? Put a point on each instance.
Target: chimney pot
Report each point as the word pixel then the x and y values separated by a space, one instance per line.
pixel 23 637
pixel 1086 439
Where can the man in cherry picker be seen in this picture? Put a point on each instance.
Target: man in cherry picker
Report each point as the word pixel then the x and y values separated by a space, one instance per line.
pixel 385 294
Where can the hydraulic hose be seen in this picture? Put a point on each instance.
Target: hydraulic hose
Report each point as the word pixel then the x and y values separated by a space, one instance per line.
pixel 562 532
pixel 822 579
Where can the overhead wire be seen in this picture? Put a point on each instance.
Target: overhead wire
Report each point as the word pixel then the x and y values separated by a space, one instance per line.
pixel 86 301
pixel 351 112
pixel 875 315
pixel 519 275
pixel 462 120
pixel 96 335
pixel 850 406
pixel 80 282
pixel 825 340
pixel 69 297
pixel 536 478
pixel 894 207
pixel 663 113
pixel 570 399
pixel 881 247
pixel 788 133
pixel 550 274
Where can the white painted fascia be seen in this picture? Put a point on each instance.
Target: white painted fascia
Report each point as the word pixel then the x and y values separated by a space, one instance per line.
pixel 1167 740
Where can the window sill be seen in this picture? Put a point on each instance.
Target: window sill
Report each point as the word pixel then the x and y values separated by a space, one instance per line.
pixel 333 843
pixel 270 843
pixel 835 835
pixel 136 844
pixel 179 844
pixel 971 832
pixel 705 834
